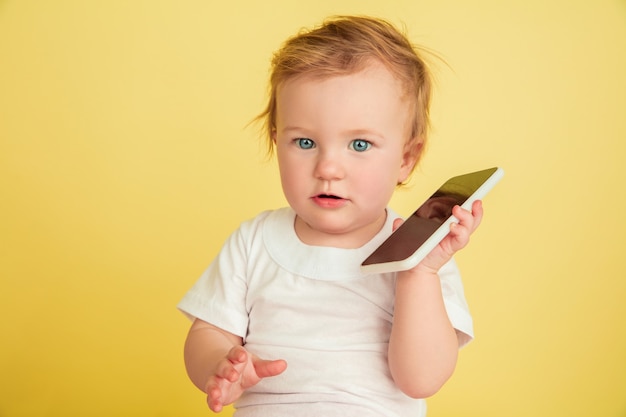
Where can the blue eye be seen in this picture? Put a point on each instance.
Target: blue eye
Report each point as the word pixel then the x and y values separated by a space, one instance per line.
pixel 305 143
pixel 360 145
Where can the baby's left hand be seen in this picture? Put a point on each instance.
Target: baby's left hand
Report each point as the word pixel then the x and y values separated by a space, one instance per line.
pixel 456 240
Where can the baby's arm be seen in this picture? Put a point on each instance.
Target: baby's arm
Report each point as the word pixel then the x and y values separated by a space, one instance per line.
pixel 220 366
pixel 423 347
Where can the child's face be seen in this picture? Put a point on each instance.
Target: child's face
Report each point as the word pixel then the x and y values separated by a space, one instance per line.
pixel 340 144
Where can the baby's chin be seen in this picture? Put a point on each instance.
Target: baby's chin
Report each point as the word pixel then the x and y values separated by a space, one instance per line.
pixel 334 231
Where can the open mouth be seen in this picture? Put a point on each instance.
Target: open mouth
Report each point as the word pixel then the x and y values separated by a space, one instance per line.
pixel 329 201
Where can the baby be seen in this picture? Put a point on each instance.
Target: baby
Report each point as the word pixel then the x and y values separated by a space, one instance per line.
pixel 284 322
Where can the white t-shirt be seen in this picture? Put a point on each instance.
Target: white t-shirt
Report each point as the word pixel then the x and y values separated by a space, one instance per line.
pixel 311 306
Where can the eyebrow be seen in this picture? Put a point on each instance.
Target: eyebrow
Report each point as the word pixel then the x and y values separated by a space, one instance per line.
pixel 365 132
pixel 354 133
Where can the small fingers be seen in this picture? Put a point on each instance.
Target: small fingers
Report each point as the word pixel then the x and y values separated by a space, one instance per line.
pixel 237 354
pixel 477 212
pixel 226 370
pixel 470 220
pixel 467 224
pixel 265 368
pixel 228 373
pixel 397 223
pixel 214 395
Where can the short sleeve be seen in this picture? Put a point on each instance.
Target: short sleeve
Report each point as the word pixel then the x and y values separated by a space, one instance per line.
pixel 455 303
pixel 219 295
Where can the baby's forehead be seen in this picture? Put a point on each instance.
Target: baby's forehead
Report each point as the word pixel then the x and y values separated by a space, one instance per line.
pixel 312 88
pixel 382 73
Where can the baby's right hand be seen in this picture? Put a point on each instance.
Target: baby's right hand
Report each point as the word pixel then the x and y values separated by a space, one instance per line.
pixel 237 372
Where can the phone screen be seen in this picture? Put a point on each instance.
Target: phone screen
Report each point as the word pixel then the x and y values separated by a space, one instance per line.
pixel 428 218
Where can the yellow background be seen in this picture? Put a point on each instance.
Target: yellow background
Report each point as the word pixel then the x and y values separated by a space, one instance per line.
pixel 125 162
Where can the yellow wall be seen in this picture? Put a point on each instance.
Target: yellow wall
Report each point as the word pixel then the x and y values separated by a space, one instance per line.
pixel 125 162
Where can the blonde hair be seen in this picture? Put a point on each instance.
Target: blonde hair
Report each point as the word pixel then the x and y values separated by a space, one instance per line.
pixel 347 44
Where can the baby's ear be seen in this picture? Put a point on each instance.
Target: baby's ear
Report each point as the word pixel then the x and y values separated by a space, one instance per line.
pixel 412 153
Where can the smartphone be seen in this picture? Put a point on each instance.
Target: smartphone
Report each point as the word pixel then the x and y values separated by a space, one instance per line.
pixel 430 223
